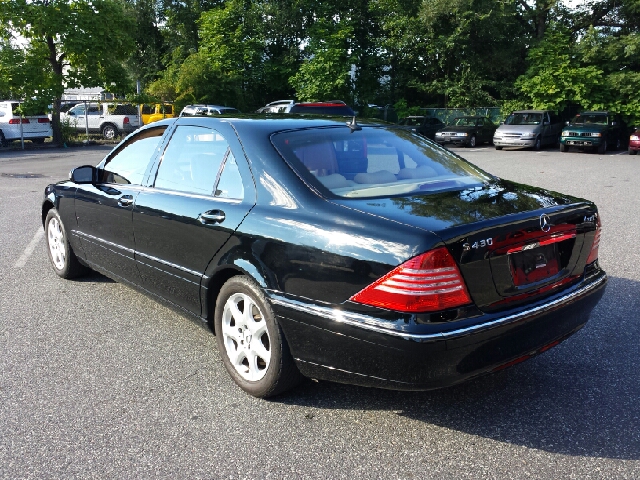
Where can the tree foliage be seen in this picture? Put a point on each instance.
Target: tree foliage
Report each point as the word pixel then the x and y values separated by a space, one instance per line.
pixel 245 53
pixel 73 43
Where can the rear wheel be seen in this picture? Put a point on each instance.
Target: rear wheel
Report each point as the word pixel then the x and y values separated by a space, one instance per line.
pixel 251 343
pixel 602 149
pixel 39 141
pixel 109 131
pixel 64 261
pixel 3 140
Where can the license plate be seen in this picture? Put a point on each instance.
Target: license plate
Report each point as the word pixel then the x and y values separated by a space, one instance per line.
pixel 531 266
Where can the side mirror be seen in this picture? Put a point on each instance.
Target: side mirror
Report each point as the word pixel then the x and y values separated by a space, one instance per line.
pixel 545 122
pixel 86 174
pixel 71 112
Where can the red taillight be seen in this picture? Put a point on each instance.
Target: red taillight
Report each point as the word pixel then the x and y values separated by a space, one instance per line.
pixel 43 120
pixel 427 283
pixel 126 120
pixel 14 121
pixel 593 255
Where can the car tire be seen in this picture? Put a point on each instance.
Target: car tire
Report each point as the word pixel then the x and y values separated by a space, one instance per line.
pixel 538 145
pixel 252 344
pixel 38 141
pixel 63 259
pixel 472 142
pixel 498 148
pixel 602 149
pixel 563 148
pixel 109 131
pixel 632 152
pixel 3 140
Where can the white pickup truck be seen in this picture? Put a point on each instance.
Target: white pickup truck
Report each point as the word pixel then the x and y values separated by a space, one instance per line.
pixel 109 119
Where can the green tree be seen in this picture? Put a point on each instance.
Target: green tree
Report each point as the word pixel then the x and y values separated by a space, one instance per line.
pixel 74 43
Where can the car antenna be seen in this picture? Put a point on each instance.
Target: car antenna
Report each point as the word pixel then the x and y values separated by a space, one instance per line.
pixel 353 125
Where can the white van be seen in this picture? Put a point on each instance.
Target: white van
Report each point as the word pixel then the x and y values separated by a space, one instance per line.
pixel 35 128
pixel 529 128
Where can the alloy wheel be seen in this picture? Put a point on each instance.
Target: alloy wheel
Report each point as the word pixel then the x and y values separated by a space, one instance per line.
pixel 245 336
pixel 55 237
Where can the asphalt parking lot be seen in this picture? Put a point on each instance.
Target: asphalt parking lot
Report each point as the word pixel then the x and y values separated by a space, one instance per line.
pixel 100 381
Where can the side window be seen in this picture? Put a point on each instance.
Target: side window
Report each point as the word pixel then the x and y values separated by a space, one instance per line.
pixel 168 109
pixel 192 160
pixel 94 110
pixel 230 183
pixel 148 109
pixel 129 163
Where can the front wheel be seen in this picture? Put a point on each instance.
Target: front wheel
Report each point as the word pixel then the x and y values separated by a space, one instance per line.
pixel 3 140
pixel 538 144
pixel 109 131
pixel 472 141
pixel 251 343
pixel 498 148
pixel 38 141
pixel 632 152
pixel 64 261
pixel 563 148
pixel 602 149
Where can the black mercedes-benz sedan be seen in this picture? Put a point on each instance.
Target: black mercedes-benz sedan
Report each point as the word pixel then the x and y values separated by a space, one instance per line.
pixel 358 253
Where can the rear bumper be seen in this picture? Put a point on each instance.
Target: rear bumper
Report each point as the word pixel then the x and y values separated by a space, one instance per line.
pixel 333 345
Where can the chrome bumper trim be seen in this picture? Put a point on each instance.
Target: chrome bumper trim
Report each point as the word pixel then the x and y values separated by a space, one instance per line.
pixel 380 326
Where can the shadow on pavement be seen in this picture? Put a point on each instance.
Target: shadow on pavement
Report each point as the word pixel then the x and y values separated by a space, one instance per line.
pixel 581 398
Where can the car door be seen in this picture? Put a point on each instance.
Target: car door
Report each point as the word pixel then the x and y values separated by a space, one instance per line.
pixel 104 210
pixel 95 116
pixel 199 194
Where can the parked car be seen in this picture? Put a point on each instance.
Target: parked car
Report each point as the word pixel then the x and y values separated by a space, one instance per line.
pixel 154 112
pixel 594 130
pixel 529 128
pixel 333 250
pixel 36 128
pixel 424 125
pixel 331 107
pixel 200 110
pixel 634 142
pixel 468 131
pixel 109 119
pixel 279 106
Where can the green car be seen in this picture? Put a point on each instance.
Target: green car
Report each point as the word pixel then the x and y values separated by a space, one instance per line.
pixel 594 130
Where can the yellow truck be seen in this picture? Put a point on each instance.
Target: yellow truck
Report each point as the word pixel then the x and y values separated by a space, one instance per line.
pixel 155 112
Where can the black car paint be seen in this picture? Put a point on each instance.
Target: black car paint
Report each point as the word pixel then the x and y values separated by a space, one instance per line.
pixel 311 252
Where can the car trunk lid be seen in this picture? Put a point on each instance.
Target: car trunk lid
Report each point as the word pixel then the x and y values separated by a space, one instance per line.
pixel 512 243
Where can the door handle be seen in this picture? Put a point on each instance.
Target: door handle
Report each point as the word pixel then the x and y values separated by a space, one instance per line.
pixel 212 216
pixel 125 200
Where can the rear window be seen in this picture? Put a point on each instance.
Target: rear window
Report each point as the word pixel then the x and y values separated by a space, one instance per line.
pixel 373 162
pixel 123 109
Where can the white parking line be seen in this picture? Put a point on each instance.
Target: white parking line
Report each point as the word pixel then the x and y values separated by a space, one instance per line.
pixel 22 261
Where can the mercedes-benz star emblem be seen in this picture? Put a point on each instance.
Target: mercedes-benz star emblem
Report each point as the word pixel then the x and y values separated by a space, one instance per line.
pixel 545 223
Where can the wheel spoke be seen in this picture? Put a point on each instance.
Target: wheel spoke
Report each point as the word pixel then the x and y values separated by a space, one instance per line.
pixel 231 332
pixel 259 350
